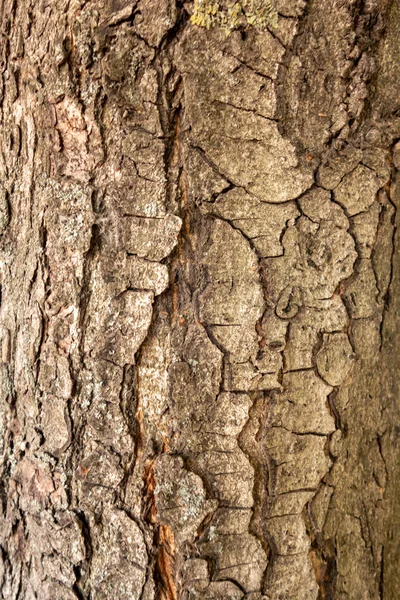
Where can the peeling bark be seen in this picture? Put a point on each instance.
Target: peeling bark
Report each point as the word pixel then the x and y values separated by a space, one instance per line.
pixel 199 300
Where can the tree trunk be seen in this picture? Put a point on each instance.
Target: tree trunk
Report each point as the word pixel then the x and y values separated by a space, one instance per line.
pixel 200 298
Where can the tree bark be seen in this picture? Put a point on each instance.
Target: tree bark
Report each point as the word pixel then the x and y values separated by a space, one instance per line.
pixel 200 300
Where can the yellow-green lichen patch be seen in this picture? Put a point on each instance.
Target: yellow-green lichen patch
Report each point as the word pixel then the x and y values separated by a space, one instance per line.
pixel 231 15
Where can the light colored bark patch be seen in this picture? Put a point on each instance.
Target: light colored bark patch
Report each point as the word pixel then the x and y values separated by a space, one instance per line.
pixel 120 551
pixel 335 358
pixel 357 192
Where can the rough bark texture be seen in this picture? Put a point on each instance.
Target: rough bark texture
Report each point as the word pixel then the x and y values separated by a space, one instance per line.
pixel 200 302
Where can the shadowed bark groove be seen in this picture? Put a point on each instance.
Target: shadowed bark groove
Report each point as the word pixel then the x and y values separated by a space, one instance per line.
pixel 199 310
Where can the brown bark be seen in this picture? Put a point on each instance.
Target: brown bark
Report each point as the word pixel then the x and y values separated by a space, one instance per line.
pixel 200 282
